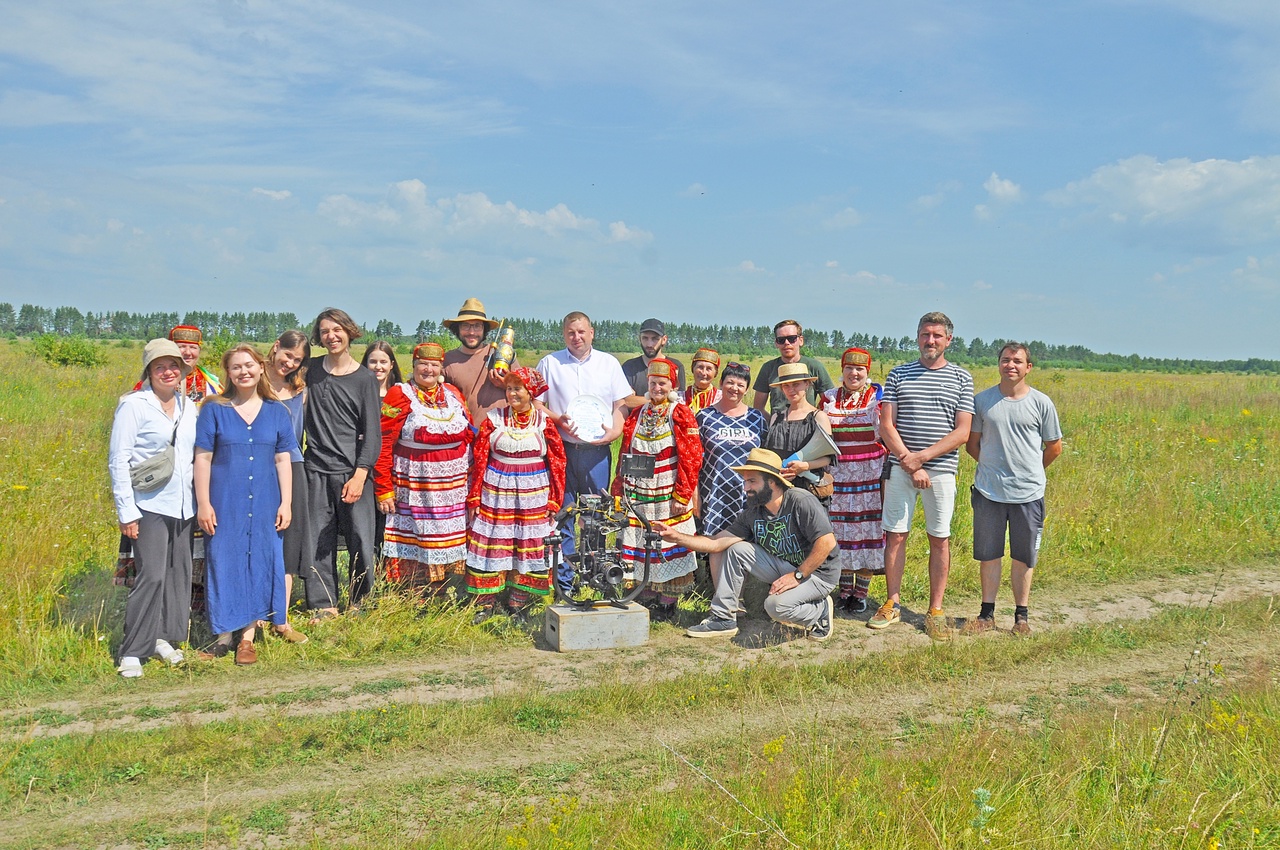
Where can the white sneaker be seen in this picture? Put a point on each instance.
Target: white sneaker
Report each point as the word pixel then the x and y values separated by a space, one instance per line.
pixel 130 668
pixel 173 657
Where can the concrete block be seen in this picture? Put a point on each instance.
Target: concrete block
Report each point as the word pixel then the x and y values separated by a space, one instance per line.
pixel 606 627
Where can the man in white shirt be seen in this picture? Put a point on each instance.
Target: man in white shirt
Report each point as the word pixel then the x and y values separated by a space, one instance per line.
pixel 578 370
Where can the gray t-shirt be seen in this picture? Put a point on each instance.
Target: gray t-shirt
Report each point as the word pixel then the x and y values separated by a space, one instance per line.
pixel 636 371
pixel 778 401
pixel 926 402
pixel 789 535
pixel 1011 454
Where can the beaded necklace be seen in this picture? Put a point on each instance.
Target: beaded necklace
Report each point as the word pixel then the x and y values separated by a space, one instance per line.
pixel 853 399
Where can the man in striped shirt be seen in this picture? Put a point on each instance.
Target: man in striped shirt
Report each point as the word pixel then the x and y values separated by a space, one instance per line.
pixel 924 420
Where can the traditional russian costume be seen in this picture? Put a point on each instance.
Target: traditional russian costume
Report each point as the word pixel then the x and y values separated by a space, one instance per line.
pixel 668 432
pixel 517 483
pixel 856 503
pixel 426 456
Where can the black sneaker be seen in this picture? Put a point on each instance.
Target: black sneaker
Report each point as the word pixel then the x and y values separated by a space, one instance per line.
pixel 662 614
pixel 821 630
pixel 713 627
pixel 854 605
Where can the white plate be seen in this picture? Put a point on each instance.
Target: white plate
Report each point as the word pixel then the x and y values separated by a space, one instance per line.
pixel 591 417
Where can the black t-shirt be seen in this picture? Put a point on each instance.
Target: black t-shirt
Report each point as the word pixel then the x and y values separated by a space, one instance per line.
pixel 789 535
pixel 636 372
pixel 343 421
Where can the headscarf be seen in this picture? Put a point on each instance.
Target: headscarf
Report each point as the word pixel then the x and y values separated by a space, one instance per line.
pixel 532 380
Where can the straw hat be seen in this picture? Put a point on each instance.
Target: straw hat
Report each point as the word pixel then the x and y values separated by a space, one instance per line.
pixel 789 373
pixel 763 460
pixel 472 311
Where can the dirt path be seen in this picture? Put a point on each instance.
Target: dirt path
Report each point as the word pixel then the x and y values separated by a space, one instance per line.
pixel 668 654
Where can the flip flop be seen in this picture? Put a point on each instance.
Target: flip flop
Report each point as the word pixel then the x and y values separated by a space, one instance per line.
pixel 322 615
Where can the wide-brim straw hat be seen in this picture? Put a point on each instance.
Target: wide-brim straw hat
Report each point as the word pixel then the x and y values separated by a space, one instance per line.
pixel 472 311
pixel 158 348
pixel 789 373
pixel 763 460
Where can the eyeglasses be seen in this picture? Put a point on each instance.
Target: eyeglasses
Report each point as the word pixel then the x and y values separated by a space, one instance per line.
pixel 786 340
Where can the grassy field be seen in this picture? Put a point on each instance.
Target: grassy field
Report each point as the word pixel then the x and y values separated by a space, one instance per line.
pixel 1163 478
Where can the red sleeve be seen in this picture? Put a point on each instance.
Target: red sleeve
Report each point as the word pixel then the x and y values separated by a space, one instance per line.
pixel 684 426
pixel 479 461
pixel 556 463
pixel 628 431
pixel 395 410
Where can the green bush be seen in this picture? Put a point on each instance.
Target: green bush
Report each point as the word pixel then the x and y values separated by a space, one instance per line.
pixel 68 351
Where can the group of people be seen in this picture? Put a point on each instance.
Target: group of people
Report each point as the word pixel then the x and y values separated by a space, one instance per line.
pixel 461 468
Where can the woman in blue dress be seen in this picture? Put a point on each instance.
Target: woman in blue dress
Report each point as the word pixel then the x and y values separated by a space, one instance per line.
pixel 729 430
pixel 244 489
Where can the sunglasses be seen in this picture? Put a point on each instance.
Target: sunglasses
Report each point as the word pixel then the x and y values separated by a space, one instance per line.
pixel 786 340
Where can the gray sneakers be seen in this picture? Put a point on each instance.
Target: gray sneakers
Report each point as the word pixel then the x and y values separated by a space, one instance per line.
pixel 713 627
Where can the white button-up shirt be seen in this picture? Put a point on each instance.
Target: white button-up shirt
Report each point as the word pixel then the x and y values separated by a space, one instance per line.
pixel 142 430
pixel 598 374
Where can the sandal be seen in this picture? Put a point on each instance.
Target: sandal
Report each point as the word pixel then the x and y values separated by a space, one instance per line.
pixel 217 650
pixel 322 615
pixel 130 668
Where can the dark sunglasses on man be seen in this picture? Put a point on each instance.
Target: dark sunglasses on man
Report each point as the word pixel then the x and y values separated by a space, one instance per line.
pixel 786 340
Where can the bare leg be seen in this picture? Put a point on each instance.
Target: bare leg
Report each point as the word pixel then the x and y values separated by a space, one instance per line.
pixel 939 568
pixel 249 633
pixel 990 572
pixel 1020 579
pixel 895 563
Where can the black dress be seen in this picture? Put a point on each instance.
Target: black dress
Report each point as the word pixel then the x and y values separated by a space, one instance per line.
pixel 785 438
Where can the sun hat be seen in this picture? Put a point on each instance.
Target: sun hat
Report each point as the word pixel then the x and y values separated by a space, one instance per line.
pixel 789 373
pixel 472 311
pixel 158 348
pixel 763 460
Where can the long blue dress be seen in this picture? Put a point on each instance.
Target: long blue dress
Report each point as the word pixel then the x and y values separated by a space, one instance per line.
pixel 244 558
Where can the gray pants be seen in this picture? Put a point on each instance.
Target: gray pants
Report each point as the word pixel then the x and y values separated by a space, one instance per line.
pixel 159 606
pixel 800 606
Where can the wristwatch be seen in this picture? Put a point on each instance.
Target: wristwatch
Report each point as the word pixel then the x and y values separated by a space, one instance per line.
pixel 799 576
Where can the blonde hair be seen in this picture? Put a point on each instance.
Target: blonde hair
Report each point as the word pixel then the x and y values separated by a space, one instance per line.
pixel 263 389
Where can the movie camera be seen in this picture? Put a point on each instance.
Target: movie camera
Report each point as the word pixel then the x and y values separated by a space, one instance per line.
pixel 595 523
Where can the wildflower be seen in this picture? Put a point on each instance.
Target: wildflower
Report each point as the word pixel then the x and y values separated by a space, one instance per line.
pixel 20 487
pixel 1245 412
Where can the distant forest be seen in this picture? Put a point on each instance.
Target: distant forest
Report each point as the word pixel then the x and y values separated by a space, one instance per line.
pixel 30 320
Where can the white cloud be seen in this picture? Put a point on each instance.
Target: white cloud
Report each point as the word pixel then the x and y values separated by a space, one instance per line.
pixel 981 285
pixel 937 198
pixel 749 266
pixel 693 190
pixel 1211 204
pixel 1001 190
pixel 846 218
pixel 274 194
pixel 832 264
pixel 982 212
pixel 408 208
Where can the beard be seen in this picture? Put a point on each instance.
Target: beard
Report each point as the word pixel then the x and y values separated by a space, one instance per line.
pixel 761 497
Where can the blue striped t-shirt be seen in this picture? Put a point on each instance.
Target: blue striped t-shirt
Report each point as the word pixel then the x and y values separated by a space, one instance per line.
pixel 926 402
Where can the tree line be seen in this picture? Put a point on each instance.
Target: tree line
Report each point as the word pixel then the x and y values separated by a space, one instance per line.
pixel 744 341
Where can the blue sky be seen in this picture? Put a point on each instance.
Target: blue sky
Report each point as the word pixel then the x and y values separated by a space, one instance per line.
pixel 1102 173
